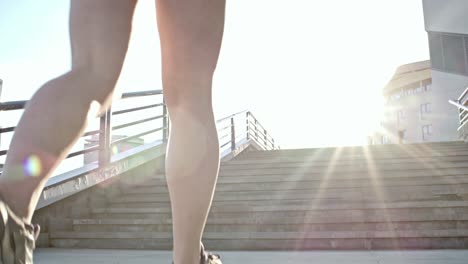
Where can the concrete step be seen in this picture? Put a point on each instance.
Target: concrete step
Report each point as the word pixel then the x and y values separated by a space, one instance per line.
pixel 305 206
pixel 270 240
pixel 392 193
pixel 317 197
pixel 270 235
pixel 357 157
pixel 314 185
pixel 375 150
pixel 372 170
pixel 338 165
pixel 306 216
pixel 269 244
pixel 358 154
pixel 318 162
pixel 416 178
pixel 147 225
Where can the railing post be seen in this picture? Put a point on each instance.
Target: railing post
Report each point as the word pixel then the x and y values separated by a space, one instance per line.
pixel 233 135
pixel 273 143
pixel 105 138
pixel 165 122
pixel 1 86
pixel 247 124
pixel 265 138
pixel 256 130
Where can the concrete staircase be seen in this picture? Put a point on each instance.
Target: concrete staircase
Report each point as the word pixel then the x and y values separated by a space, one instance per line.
pixel 379 197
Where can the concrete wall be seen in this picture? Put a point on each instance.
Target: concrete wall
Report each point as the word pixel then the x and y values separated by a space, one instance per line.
pixel 446 16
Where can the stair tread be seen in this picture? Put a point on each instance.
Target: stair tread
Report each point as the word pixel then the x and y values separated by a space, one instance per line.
pixel 272 235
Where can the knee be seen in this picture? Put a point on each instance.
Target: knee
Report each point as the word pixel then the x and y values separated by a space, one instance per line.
pixel 188 93
pixel 94 85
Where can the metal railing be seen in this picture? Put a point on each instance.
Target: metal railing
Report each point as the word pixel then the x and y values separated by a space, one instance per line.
pixel 236 132
pixel 241 126
pixel 232 130
pixel 462 104
pixel 105 143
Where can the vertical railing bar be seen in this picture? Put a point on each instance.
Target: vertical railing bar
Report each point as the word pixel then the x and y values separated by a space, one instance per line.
pixel 247 124
pixel 1 87
pixel 255 126
pixel 104 138
pixel 233 135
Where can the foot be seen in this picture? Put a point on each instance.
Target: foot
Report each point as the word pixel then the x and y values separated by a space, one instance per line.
pixel 209 258
pixel 17 237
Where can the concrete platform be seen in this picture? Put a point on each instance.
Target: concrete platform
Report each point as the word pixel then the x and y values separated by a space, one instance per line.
pixel 80 256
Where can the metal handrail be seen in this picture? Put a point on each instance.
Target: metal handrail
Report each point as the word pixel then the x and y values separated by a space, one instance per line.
pixel 230 116
pixel 105 143
pixel 457 104
pixel 463 95
pixel 236 135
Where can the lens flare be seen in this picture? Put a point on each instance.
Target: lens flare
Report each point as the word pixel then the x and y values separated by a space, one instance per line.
pixel 115 150
pixel 32 166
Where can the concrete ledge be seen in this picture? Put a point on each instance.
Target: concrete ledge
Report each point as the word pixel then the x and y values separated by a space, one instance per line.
pixel 73 256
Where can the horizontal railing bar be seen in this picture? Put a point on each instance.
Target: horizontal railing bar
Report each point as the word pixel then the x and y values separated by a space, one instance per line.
pixel 258 142
pixel 90 133
pixel 227 135
pixel 13 105
pixel 260 132
pixel 137 135
pixel 3 152
pixel 225 144
pixel 224 128
pixel 261 141
pixel 84 151
pixel 227 117
pixel 17 105
pixel 463 120
pixel 7 129
pixel 142 93
pixel 458 105
pixel 463 94
pixel 137 122
pixel 224 132
pixel 136 109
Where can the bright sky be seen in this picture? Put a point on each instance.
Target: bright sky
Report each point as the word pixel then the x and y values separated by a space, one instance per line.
pixel 311 71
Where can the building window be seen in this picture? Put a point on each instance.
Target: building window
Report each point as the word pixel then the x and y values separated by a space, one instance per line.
pixel 449 52
pixel 435 47
pixel 427 87
pixel 427 132
pixel 401 115
pixel 385 139
pixel 454 53
pixel 425 110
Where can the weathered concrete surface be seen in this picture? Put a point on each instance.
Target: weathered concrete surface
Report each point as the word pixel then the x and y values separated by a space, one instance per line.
pixel 80 256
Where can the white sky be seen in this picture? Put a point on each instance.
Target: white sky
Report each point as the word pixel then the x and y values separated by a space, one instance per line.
pixel 311 71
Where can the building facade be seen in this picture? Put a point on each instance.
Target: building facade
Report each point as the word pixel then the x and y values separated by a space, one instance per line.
pixel 410 104
pixel 446 23
pixel 417 108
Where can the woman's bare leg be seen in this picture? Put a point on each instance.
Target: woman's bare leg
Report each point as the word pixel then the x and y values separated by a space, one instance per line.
pixel 190 33
pixel 57 114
